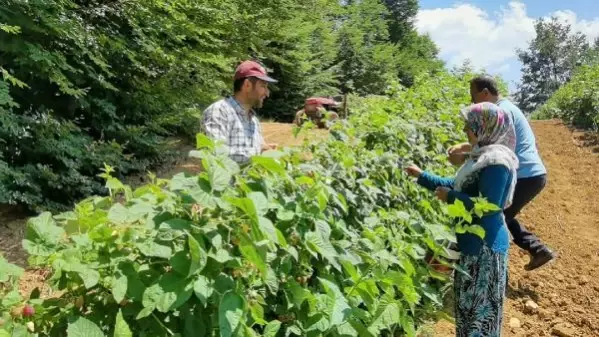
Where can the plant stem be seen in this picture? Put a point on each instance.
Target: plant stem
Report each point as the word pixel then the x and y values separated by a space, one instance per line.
pixel 162 325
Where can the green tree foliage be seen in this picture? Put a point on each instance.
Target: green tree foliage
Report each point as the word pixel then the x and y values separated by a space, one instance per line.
pixel 549 61
pixel 365 53
pixel 401 14
pixel 302 55
pixel 100 82
pixel 576 102
pixel 417 54
pixel 90 82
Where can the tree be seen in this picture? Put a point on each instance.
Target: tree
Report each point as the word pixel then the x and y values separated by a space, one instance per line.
pixel 549 61
pixel 401 15
pixel 366 56
pixel 416 54
pixel 302 54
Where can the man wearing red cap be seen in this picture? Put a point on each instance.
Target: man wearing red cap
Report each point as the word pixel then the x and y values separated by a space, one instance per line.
pixel 233 120
pixel 315 109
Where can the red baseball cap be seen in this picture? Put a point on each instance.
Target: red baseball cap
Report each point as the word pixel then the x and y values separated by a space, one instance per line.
pixel 252 69
pixel 319 101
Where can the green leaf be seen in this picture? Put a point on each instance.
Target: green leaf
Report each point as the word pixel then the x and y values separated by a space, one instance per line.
pixel 458 210
pixel 285 215
pixel 89 276
pixel 271 329
pixel 260 202
pixel 203 289
pixel 221 256
pixel 271 280
pixel 145 312
pixel 250 251
pixel 198 256
pixel 405 285
pixel 118 214
pixel 476 230
pixel 230 314
pixel 246 205
pixel 152 296
pixel 121 328
pixel 82 327
pixel 387 315
pixel 269 229
pixel 350 270
pixel 204 142
pixel 218 175
pixel 43 229
pixel 202 197
pixel 323 246
pixel 340 309
pixel 257 312
pixel 8 270
pixel 153 249
pixel 270 164
pixel 407 323
pixel 119 288
pixel 11 298
pixel 169 293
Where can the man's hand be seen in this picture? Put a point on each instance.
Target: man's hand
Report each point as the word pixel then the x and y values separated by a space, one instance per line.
pixel 413 171
pixel 271 146
pixel 442 193
pixel 457 153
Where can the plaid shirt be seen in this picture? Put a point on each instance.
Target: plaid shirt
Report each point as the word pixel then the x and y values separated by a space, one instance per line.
pixel 227 121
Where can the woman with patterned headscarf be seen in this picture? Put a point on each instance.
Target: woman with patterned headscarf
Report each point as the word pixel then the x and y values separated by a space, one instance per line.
pixel 489 172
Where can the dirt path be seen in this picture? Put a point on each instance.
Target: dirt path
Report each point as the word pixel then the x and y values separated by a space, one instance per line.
pixel 565 216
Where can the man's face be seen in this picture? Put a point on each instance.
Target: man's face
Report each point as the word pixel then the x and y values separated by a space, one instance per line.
pixel 479 96
pixel 311 108
pixel 257 92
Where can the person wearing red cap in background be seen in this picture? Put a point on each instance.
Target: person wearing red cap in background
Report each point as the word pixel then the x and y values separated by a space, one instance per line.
pixel 233 120
pixel 315 109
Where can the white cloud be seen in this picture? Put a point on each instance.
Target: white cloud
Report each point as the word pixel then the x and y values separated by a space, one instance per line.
pixel 589 28
pixel 489 40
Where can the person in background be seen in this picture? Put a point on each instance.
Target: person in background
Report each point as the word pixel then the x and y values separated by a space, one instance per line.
pixel 532 175
pixel 490 172
pixel 233 120
pixel 319 110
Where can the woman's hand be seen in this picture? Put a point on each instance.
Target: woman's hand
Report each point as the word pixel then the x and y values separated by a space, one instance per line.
pixel 413 171
pixel 442 193
pixel 457 153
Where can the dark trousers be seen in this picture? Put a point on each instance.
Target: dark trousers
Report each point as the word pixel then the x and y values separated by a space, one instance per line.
pixel 526 190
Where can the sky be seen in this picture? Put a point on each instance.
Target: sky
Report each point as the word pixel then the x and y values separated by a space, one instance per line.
pixel 488 32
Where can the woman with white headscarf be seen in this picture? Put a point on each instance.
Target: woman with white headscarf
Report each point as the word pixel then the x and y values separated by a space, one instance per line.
pixel 489 172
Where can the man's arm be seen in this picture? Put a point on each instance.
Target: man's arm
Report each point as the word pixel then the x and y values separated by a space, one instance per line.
pixel 298 118
pixel 215 124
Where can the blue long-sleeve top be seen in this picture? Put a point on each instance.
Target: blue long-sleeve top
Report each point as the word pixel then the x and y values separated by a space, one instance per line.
pixel 492 183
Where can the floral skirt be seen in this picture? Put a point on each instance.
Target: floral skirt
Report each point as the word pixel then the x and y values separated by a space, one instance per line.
pixel 479 296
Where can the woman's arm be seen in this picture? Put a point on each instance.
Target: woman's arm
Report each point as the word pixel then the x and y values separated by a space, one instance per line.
pixel 431 181
pixel 492 185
